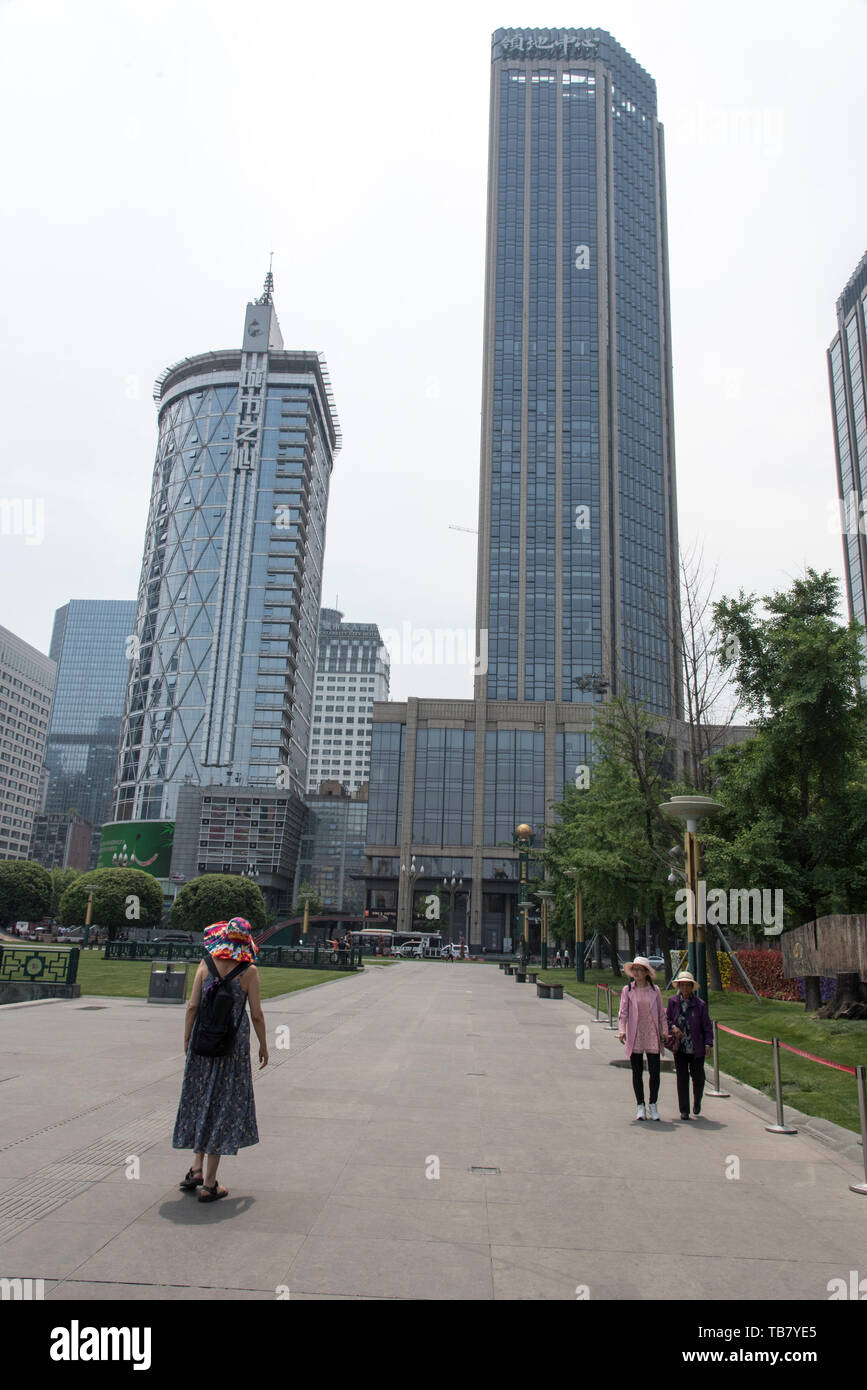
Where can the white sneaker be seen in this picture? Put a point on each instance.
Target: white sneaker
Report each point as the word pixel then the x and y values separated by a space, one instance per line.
pixel 640 1114
pixel 654 1113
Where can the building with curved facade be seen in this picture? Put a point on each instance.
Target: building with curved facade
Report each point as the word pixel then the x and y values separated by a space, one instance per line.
pixel 223 652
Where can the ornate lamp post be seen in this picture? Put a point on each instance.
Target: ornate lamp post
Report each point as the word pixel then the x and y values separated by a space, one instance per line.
pixel 546 899
pixel 690 809
pixel 452 885
pixel 579 926
pixel 524 836
pixel 409 876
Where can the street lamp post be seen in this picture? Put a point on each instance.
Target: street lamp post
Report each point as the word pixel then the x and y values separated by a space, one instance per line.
pixel 579 926
pixel 524 834
pixel 409 877
pixel 690 809
pixel 546 898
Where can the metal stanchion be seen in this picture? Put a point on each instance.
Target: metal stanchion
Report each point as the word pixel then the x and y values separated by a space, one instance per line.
pixel 780 1127
pixel 611 1024
pixel 608 992
pixel 721 1095
pixel 860 1074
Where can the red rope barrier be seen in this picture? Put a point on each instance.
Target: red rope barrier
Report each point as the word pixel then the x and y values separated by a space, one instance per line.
pixel 811 1057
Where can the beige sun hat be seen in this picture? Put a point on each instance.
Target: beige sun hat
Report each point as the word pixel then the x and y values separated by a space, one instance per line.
pixel 630 965
pixel 685 978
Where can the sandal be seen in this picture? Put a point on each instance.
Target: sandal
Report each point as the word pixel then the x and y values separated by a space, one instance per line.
pixel 191 1182
pixel 212 1194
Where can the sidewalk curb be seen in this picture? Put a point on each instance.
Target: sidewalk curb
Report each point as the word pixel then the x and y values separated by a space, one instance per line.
pixel 843 1141
pixel 34 1003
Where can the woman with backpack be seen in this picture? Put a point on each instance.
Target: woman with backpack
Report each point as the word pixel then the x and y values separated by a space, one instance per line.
pixel 217 1112
pixel 643 1029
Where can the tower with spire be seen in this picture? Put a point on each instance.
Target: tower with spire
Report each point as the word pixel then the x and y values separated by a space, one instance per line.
pixel 221 681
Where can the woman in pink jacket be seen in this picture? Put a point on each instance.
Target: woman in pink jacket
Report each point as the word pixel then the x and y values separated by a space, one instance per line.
pixel 643 1029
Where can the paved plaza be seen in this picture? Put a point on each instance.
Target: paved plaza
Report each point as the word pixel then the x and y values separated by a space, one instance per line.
pixel 547 1185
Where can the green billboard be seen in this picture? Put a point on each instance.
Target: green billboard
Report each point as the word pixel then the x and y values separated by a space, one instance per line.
pixel 138 844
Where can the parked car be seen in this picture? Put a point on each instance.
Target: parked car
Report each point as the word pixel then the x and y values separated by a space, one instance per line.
pixel 657 961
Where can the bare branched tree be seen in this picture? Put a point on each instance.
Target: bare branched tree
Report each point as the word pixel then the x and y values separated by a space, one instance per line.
pixel 710 700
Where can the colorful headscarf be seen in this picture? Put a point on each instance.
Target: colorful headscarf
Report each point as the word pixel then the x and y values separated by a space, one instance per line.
pixel 231 940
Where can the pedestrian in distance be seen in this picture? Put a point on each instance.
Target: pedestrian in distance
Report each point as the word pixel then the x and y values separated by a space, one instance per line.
pixel 690 1036
pixel 566 958
pixel 558 959
pixel 642 1030
pixel 217 1112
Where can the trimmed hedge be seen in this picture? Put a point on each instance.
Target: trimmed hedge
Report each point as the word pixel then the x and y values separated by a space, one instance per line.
pixel 765 970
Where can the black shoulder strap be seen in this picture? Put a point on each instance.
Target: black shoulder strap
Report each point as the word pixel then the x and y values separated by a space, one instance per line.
pixel 224 979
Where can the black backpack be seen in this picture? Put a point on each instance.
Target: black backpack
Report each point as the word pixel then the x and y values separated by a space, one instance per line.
pixel 214 1034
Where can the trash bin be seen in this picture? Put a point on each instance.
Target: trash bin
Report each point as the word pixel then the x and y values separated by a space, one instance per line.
pixel 168 982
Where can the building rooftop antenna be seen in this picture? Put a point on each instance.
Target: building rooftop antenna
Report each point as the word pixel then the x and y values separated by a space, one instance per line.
pixel 267 296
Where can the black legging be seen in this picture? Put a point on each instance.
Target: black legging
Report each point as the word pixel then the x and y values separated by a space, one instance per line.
pixel 687 1065
pixel 637 1060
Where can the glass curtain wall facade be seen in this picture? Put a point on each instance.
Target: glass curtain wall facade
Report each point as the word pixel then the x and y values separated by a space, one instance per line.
pixel 847 368
pixel 577 534
pixel 221 687
pixel 91 644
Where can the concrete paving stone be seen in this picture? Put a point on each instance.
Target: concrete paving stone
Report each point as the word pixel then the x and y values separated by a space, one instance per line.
pixel 53 1248
pixel 182 1251
pixel 393 1269
pixel 407 1154
pixel 264 1209
pixel 395 1216
pixel 77 1291
pixel 111 1202
pixel 362 1181
pixel 614 1223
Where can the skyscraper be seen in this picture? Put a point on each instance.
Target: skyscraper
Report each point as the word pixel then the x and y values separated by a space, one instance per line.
pixel 26 688
pixel 847 368
pixel 221 686
pixel 352 670
pixel 577 570
pixel 90 643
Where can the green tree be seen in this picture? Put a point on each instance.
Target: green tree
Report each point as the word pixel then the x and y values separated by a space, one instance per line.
pixel 608 833
pixel 217 898
pixel 120 897
pixel 307 893
pixel 60 881
pixel 25 891
pixel 795 795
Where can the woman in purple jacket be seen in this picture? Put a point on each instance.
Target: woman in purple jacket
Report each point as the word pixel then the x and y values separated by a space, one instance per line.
pixel 691 1035
pixel 642 1029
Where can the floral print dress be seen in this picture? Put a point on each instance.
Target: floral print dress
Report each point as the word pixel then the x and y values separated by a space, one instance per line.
pixel 217 1111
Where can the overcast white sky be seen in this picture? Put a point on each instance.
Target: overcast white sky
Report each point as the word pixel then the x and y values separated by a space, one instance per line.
pixel 155 153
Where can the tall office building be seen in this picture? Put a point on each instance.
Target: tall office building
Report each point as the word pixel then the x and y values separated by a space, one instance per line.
pixel 90 644
pixel 26 689
pixel 847 368
pixel 577 569
pixel 221 688
pixel 352 670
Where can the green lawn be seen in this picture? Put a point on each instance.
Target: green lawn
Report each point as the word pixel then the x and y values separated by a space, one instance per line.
pixel 129 978
pixel 814 1089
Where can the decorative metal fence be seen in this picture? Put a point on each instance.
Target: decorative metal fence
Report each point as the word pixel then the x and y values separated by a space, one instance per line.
pixel 294 957
pixel 38 965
